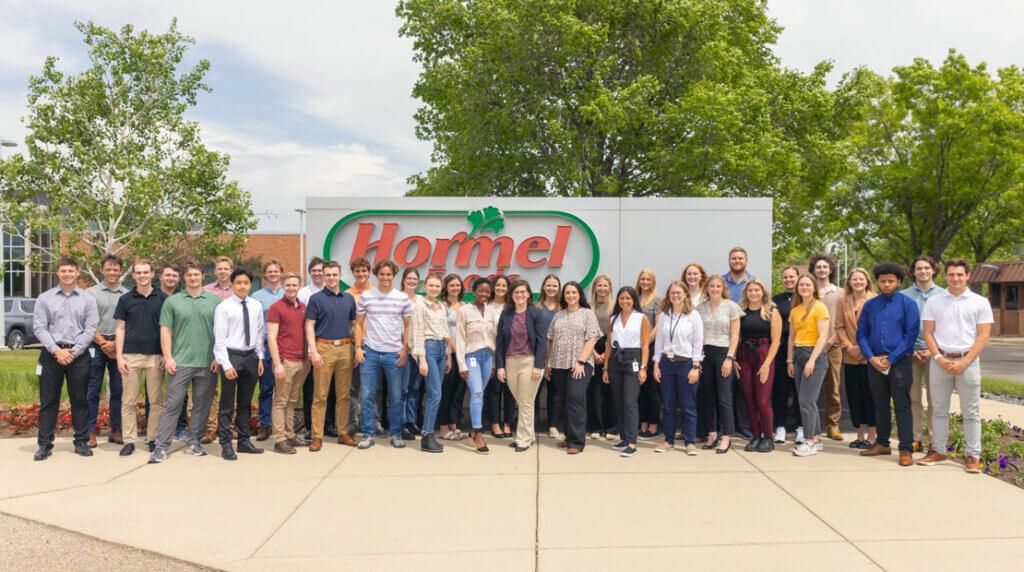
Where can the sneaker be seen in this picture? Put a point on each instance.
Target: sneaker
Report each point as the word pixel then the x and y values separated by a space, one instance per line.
pixel 614 437
pixel 780 435
pixel 195 449
pixel 818 445
pixel 628 452
pixel 805 450
pixel 396 442
pixel 799 440
pixel 620 446
pixel 158 456
pixel 595 435
pixel 366 442
pixel 181 435
pixel 691 449
pixel 554 433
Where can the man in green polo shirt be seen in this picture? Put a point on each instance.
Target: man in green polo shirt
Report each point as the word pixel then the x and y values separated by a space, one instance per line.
pixel 186 338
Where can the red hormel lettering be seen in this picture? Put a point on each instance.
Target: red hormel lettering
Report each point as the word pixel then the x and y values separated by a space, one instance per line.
pixel 490 252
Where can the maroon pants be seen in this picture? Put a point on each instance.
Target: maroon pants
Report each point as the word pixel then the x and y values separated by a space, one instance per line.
pixel 750 355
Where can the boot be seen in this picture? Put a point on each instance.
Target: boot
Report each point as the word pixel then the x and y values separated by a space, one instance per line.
pixel 429 444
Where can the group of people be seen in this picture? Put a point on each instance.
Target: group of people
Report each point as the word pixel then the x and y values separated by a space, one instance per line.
pixel 709 358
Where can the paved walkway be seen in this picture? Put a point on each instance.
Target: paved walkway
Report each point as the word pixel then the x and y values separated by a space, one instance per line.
pixel 1003 362
pixel 387 509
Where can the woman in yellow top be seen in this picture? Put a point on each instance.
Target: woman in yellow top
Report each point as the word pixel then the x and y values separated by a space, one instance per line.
pixel 805 358
pixel 855 367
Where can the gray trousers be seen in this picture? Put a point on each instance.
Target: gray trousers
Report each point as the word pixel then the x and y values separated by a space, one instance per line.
pixel 808 388
pixel 203 384
pixel 968 386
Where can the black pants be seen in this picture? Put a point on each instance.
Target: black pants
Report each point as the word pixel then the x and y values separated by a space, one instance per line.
pixel 785 402
pixel 858 394
pixel 601 406
pixel 626 386
pixel 247 366
pixel 650 397
pixel 453 392
pixel 714 394
pixel 51 380
pixel 499 405
pixel 574 392
pixel 895 387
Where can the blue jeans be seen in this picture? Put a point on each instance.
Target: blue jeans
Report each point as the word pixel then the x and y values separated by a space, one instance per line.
pixel 478 364
pixel 412 383
pixel 266 388
pixel 436 355
pixel 98 364
pixel 369 373
pixel 678 393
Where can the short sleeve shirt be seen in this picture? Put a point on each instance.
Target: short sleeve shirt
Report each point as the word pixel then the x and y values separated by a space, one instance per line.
pixel 141 316
pixel 956 319
pixel 333 313
pixel 106 302
pixel 568 332
pixel 290 318
pixel 385 318
pixel 807 330
pixel 191 319
pixel 718 324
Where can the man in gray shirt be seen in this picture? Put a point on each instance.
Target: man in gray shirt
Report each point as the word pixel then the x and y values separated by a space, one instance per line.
pixel 104 352
pixel 64 321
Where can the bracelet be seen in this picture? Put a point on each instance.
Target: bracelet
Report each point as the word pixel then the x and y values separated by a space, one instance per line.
pixel 731 358
pixel 582 362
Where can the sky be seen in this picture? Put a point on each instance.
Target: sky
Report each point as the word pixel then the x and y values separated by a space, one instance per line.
pixel 315 98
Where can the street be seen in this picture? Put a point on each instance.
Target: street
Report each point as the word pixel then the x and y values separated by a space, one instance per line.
pixel 1003 362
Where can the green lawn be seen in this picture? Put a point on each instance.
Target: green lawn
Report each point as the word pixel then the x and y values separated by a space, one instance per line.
pixel 1002 387
pixel 18 382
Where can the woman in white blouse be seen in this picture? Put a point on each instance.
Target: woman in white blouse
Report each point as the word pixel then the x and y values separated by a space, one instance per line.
pixel 431 346
pixel 678 351
pixel 721 318
pixel 475 329
pixel 694 277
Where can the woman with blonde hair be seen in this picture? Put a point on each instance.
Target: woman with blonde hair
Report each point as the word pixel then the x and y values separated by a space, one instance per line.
pixel 650 398
pixel 601 414
pixel 678 351
pixel 694 277
pixel 721 321
pixel 549 304
pixel 857 291
pixel 760 336
pixel 806 359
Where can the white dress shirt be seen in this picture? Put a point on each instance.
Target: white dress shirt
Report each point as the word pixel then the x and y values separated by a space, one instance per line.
pixel 683 333
pixel 956 319
pixel 308 290
pixel 229 330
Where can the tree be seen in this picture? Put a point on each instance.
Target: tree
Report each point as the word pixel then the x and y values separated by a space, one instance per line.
pixel 938 153
pixel 618 98
pixel 113 167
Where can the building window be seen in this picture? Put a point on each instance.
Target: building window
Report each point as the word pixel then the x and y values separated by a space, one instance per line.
pixel 1013 297
pixel 20 280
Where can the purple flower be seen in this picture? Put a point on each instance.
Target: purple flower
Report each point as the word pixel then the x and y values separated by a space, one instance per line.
pixel 949 448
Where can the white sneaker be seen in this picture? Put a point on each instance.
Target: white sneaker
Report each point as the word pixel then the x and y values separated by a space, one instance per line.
pixel 612 437
pixel 595 435
pixel 780 434
pixel 553 433
pixel 799 436
pixel 805 450
pixel 818 445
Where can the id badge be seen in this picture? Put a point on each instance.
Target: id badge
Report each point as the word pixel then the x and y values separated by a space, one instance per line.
pixel 670 353
pixel 471 361
pixel 636 367
pixel 39 369
pixel 92 353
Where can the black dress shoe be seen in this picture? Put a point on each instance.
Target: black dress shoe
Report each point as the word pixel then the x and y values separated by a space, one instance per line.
pixel 407 435
pixel 746 434
pixel 128 449
pixel 767 445
pixel 42 454
pixel 83 449
pixel 752 445
pixel 228 453
pixel 331 431
pixel 414 429
pixel 713 445
pixel 520 449
pixel 246 446
pixel 506 435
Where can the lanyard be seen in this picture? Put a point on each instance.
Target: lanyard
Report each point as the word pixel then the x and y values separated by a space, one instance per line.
pixel 672 327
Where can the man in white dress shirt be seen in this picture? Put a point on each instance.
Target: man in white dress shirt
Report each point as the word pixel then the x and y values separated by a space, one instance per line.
pixel 238 331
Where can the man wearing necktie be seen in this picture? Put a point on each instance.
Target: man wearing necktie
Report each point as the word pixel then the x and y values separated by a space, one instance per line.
pixel 238 331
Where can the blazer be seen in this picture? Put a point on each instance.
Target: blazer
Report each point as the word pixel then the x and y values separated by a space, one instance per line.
pixel 536 335
pixel 846 327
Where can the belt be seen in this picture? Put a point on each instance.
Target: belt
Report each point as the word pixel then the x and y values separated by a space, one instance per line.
pixel 953 354
pixel 242 353
pixel 65 345
pixel 675 358
pixel 109 338
pixel 341 342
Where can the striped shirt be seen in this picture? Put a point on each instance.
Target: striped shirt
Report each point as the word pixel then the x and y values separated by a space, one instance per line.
pixel 385 318
pixel 429 322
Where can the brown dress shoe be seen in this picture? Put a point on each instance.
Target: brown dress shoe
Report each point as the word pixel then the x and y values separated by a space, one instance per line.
pixel 906 459
pixel 931 458
pixel 91 443
pixel 876 450
pixel 834 434
pixel 284 447
pixel 297 441
pixel 263 434
pixel 918 447
pixel 316 444
pixel 115 437
pixel 972 465
pixel 210 436
pixel 346 439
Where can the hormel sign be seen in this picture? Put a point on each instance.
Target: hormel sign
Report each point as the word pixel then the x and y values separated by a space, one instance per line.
pixel 485 242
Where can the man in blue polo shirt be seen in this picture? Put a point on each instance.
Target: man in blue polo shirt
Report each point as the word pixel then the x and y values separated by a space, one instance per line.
pixel 886 332
pixel 330 316
pixel 271 292
pixel 923 289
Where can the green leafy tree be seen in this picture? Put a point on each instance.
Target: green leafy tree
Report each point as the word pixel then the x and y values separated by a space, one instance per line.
pixel 619 98
pixel 113 167
pixel 938 156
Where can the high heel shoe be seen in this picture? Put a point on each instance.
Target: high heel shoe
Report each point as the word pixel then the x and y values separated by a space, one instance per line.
pixel 712 445
pixel 479 443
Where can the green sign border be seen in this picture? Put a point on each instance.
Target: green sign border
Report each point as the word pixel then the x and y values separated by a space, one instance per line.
pixel 594 244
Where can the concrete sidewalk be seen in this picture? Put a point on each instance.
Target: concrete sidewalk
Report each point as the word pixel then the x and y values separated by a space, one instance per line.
pixel 387 509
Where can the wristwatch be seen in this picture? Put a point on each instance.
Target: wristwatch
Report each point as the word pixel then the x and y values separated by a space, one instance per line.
pixel 581 362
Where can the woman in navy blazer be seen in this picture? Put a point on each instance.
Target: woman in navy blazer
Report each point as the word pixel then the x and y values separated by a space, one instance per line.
pixel 520 354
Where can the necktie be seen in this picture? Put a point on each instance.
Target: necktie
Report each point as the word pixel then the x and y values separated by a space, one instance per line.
pixel 245 320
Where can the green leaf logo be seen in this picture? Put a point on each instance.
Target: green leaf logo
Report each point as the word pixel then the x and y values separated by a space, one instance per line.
pixel 488 218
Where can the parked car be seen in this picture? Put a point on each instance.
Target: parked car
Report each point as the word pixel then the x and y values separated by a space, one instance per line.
pixel 18 321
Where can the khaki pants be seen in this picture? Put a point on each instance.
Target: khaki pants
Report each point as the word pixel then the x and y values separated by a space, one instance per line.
pixel 139 365
pixel 920 408
pixel 519 377
pixel 286 394
pixel 338 362
pixel 833 401
pixel 211 422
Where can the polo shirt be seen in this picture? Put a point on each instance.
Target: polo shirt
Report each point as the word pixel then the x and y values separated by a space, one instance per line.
pixel 267 297
pixel 191 319
pixel 141 316
pixel 308 290
pixel 333 313
pixel 921 297
pixel 385 318
pixel 957 318
pixel 106 301
pixel 290 317
pixel 736 288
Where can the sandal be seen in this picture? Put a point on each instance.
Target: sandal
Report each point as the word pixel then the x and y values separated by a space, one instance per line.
pixel 451 436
